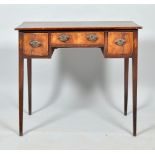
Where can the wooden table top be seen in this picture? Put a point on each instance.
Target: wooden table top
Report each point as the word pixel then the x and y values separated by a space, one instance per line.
pixel 78 25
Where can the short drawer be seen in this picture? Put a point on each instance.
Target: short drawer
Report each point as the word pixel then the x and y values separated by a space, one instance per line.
pixel 71 39
pixel 119 44
pixel 35 44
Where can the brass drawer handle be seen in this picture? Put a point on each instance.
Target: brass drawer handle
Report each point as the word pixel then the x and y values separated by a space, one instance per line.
pixel 92 37
pixel 35 43
pixel 120 42
pixel 64 37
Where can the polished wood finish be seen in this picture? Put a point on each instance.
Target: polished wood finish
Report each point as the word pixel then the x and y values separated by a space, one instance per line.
pixel 126 72
pixel 37 51
pixel 115 39
pixel 77 39
pixel 134 78
pixel 21 82
pixel 79 25
pixel 115 50
pixel 29 71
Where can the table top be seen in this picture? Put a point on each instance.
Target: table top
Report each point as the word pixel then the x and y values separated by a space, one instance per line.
pixel 78 25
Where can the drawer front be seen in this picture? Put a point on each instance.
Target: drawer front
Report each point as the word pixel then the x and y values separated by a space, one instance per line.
pixel 35 44
pixel 71 39
pixel 119 44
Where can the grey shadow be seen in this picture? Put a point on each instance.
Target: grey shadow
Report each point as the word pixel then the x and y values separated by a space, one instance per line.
pixel 82 65
pixel 8 127
pixel 87 67
pixel 152 127
pixel 104 84
pixel 54 94
pixel 147 102
pixel 111 120
pixel 62 114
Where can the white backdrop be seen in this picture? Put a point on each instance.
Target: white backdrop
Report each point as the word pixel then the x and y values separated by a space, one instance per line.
pixel 78 90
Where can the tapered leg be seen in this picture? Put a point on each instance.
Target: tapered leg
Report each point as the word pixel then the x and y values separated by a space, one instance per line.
pixel 29 70
pixel 126 70
pixel 134 78
pixel 21 78
pixel 134 67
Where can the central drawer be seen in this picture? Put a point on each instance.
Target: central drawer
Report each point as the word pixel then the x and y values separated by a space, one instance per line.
pixel 77 39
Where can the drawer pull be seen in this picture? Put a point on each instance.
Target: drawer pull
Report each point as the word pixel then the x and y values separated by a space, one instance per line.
pixel 92 37
pixel 63 37
pixel 35 43
pixel 120 42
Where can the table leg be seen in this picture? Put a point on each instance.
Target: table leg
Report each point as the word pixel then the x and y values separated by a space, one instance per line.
pixel 134 65
pixel 126 71
pixel 29 71
pixel 21 78
pixel 134 78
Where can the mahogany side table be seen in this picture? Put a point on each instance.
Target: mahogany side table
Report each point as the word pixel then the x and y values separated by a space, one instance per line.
pixel 115 39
